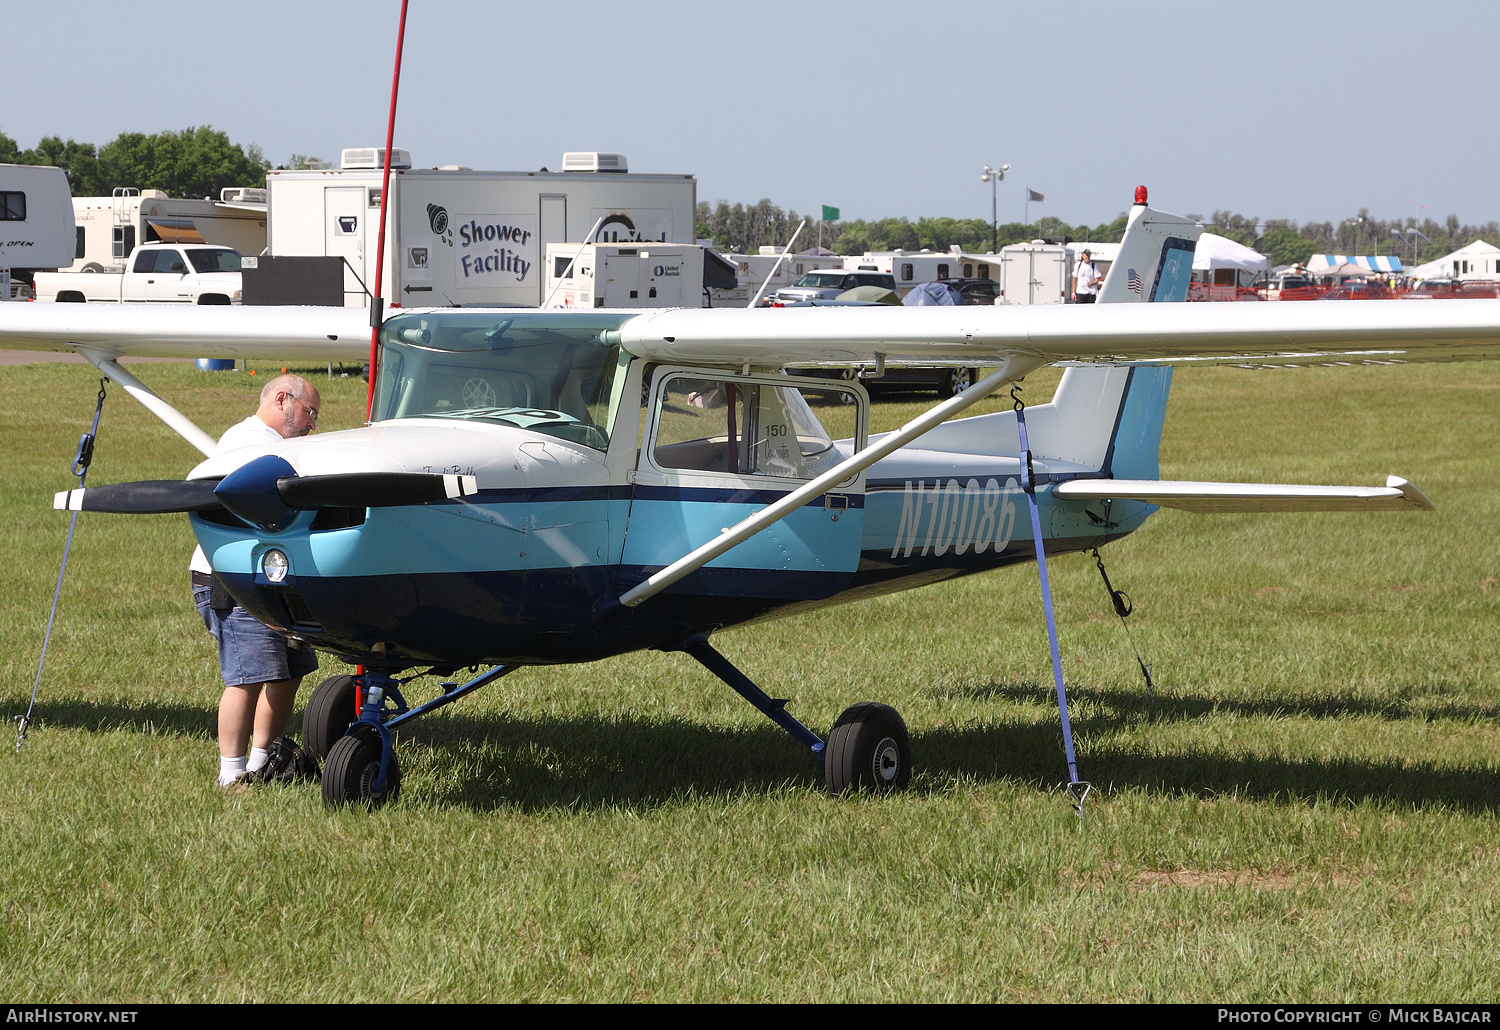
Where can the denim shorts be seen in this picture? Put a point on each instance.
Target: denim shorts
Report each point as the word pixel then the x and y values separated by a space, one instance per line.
pixel 249 651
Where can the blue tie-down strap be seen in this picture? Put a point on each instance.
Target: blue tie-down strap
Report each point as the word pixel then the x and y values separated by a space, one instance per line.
pixel 1077 789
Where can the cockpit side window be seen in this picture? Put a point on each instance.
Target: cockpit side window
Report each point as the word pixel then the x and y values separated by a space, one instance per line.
pixel 749 428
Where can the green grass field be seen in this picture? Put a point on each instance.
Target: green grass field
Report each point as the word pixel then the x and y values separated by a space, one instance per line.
pixel 1305 811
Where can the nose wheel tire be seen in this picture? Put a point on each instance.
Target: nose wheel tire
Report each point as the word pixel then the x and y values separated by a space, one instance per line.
pixel 353 769
pixel 868 751
pixel 330 711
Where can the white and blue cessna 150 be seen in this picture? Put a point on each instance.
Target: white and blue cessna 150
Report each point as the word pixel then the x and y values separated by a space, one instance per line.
pixel 539 486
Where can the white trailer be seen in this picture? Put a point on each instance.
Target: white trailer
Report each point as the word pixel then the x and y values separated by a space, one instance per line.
pixel 912 268
pixel 1036 273
pixel 753 270
pixel 36 225
pixel 613 275
pixel 461 237
pixel 110 228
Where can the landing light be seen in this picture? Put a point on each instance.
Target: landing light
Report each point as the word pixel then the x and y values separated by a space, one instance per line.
pixel 275 565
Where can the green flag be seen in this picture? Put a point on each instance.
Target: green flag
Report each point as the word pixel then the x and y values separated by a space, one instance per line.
pixel 830 214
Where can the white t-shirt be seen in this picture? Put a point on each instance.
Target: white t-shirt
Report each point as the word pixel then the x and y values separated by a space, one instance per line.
pixel 250 433
pixel 1086 276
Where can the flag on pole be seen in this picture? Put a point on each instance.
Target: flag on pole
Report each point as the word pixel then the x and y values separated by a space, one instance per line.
pixel 830 214
pixel 1033 197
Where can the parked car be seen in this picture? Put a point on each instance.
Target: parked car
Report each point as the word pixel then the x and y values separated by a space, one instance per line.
pixel 1290 287
pixel 1474 289
pixel 829 283
pixel 904 378
pixel 1359 289
pixel 1430 289
pixel 975 291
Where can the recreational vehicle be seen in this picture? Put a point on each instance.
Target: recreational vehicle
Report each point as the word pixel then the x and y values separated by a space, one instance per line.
pixel 109 228
pixel 36 225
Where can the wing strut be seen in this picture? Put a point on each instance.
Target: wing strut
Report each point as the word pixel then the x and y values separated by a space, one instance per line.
pixel 851 466
pixel 1077 789
pixel 175 420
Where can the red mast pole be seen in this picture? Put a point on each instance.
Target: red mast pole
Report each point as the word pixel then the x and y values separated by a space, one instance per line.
pixel 377 302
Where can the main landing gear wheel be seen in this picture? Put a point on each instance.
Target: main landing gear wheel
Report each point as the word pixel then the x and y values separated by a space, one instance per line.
pixel 868 751
pixel 352 769
pixel 330 712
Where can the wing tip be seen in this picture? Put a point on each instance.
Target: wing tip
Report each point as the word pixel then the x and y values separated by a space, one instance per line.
pixel 1411 492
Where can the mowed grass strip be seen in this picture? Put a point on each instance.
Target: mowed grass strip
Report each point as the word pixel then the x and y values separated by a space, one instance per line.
pixel 1303 811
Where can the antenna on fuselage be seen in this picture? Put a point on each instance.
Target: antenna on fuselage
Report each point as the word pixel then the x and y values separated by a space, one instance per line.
pixel 377 301
pixel 779 259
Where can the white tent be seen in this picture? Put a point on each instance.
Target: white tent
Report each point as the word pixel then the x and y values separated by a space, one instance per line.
pixel 1479 260
pixel 1216 252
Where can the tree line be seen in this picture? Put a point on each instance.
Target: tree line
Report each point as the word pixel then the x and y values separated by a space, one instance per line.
pixel 196 162
pixel 741 229
pixel 199 161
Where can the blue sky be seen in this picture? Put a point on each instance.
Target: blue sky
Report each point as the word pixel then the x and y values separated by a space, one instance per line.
pixel 1295 110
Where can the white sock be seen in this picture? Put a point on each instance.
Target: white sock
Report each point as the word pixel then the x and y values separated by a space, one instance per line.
pixel 258 756
pixel 230 769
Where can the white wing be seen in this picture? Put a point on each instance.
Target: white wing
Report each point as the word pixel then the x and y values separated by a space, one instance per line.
pixel 1312 332
pixel 160 330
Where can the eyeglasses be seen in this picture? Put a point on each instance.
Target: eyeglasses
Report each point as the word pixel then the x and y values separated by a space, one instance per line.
pixel 312 412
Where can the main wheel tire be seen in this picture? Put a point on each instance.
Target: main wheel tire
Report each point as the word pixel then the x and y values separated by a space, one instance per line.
pixel 868 750
pixel 352 769
pixel 330 712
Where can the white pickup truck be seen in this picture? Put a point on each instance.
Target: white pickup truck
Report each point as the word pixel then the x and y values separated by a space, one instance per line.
pixel 161 273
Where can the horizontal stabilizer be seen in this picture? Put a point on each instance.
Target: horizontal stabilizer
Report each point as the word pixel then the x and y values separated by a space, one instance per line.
pixel 150 497
pixel 1218 498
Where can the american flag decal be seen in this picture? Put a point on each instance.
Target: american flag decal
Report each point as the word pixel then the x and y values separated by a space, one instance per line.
pixel 1133 281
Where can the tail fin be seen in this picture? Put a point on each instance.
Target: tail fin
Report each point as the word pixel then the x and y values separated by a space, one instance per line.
pixel 1155 262
pixel 1112 418
pixel 1105 419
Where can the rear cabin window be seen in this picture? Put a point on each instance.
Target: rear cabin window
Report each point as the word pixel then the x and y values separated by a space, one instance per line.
pixel 12 206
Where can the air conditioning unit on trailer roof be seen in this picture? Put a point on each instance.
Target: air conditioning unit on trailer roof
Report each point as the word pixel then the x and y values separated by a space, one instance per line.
pixel 593 161
pixel 242 195
pixel 373 157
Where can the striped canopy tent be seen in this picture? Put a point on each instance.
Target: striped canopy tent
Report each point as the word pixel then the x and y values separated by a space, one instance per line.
pixel 1320 263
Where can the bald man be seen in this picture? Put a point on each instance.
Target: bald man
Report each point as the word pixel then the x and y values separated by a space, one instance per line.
pixel 261 668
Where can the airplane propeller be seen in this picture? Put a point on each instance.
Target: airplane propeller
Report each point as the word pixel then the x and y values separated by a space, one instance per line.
pixel 268 492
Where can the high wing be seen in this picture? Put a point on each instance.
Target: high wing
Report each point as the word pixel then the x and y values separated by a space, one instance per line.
pixel 1309 333
pixel 170 331
pixel 102 333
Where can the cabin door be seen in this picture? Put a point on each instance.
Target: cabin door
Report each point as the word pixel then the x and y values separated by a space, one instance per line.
pixel 719 447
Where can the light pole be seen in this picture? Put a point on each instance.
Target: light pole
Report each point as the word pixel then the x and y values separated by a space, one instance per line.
pixel 993 176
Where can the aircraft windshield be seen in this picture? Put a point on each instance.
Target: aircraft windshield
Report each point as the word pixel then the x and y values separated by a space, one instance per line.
pixel 547 372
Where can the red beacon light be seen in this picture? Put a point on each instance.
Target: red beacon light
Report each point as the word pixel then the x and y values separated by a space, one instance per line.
pixel 1140 194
